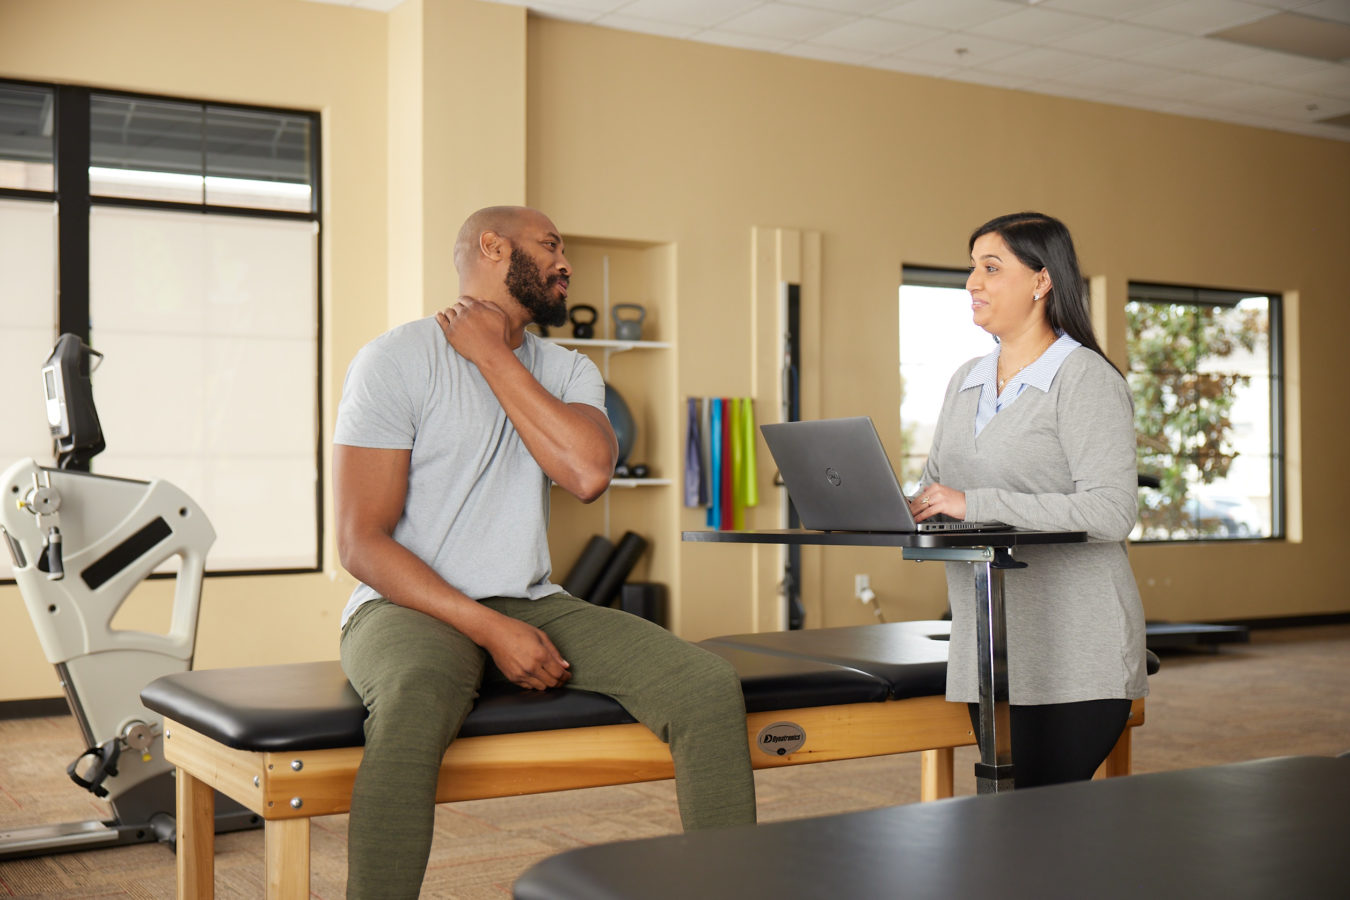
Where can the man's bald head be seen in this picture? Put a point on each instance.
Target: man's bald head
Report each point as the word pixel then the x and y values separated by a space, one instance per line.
pixel 503 220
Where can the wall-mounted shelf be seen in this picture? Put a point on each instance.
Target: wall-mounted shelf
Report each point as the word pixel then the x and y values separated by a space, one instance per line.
pixel 644 274
pixel 633 482
pixel 614 345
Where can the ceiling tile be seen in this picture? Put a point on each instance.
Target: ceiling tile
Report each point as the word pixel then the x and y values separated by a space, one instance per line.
pixel 744 41
pixel 566 13
pixel 1005 80
pixel 700 13
pixel 949 14
pixel 858 7
pixel 1264 66
pixel 1107 9
pixel 961 50
pixel 600 6
pixel 1256 98
pixel 1187 86
pixel 1294 33
pixel 562 6
pixel 1117 40
pixel 832 54
pixel 1040 63
pixel 1336 10
pixel 1194 54
pixel 876 36
pixel 913 66
pixel 1074 89
pixel 1330 79
pixel 1115 75
pixel 784 22
pixel 1035 26
pixel 646 26
pixel 1200 17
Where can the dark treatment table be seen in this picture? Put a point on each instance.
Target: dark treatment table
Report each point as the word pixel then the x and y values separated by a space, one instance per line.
pixel 1267 829
pixel 990 554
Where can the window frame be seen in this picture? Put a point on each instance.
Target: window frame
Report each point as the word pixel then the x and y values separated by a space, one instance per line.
pixel 71 192
pixel 1190 295
pixel 924 276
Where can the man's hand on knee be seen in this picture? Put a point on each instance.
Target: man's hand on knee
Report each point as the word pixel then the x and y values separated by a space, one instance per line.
pixel 526 656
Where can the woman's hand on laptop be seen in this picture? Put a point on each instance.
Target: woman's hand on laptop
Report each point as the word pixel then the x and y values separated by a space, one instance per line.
pixel 934 499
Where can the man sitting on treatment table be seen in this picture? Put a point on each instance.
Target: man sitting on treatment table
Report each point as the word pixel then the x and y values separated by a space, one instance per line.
pixel 448 433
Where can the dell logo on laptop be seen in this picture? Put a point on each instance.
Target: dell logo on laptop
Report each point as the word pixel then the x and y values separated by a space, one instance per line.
pixel 832 477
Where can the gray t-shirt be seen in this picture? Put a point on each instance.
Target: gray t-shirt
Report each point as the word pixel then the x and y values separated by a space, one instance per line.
pixel 477 502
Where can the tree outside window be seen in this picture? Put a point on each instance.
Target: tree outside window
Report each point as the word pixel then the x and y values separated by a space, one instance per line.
pixel 1204 373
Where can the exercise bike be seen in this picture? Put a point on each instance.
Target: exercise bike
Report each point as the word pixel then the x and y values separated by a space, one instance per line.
pixel 80 544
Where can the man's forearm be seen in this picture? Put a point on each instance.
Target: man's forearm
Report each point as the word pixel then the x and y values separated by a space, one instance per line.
pixel 576 450
pixel 400 576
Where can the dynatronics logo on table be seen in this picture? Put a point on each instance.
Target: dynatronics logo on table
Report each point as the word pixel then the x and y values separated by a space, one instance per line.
pixel 780 738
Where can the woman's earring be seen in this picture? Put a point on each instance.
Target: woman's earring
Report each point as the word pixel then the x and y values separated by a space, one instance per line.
pixel 1035 297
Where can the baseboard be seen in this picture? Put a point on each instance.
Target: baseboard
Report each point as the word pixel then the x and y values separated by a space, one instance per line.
pixel 1341 618
pixel 35 708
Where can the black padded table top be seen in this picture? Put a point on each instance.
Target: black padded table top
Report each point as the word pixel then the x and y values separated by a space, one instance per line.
pixel 1012 537
pixel 311 706
pixel 911 657
pixel 1262 829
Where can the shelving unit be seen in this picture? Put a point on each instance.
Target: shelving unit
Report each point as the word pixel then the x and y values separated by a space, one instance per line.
pixel 644 372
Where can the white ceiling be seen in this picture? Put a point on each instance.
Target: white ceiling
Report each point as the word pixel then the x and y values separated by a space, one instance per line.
pixel 1160 55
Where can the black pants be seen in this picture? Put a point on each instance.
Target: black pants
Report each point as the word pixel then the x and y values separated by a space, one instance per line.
pixel 1061 742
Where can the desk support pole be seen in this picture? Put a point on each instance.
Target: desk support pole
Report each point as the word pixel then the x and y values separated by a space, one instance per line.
pixel 994 771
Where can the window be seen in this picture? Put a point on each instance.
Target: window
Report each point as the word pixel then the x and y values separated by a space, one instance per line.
pixel 27 123
pixel 1205 371
pixel 936 336
pixel 185 251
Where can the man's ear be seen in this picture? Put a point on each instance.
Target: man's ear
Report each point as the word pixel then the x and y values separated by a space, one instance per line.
pixel 494 246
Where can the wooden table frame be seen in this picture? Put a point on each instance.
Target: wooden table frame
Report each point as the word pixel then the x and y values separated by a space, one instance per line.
pixel 287 789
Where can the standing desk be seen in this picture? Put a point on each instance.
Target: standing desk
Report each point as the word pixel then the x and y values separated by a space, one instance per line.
pixel 990 553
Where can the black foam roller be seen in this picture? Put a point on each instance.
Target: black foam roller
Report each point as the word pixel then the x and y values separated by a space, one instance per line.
pixel 586 571
pixel 630 547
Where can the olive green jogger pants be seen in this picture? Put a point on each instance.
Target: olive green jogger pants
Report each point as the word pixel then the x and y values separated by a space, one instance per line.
pixel 418 678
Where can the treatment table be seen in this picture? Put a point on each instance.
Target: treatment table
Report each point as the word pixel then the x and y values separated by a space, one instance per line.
pixel 1262 829
pixel 285 741
pixel 990 554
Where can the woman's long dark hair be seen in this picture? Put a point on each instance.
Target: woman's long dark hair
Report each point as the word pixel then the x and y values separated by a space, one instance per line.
pixel 1042 242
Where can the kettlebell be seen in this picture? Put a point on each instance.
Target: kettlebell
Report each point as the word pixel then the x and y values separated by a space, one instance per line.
pixel 629 329
pixel 584 327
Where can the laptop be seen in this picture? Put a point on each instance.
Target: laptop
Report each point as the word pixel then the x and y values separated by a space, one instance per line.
pixel 840 479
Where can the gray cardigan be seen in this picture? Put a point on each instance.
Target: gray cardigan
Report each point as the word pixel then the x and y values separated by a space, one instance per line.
pixel 1062 460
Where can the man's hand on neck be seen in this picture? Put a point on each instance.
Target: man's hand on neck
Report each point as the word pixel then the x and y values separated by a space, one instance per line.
pixel 479 329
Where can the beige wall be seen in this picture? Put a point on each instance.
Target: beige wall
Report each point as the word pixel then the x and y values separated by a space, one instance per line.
pixel 638 138
pixel 657 139
pixel 269 52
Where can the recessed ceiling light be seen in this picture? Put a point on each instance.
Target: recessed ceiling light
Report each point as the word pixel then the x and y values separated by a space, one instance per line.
pixel 1293 33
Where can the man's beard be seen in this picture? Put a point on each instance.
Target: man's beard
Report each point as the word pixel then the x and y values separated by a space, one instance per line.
pixel 533 291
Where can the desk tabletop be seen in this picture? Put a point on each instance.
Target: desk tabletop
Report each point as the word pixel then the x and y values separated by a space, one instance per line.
pixel 925 540
pixel 1260 829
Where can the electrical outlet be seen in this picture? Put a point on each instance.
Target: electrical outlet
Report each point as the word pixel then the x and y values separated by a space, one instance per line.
pixel 862 586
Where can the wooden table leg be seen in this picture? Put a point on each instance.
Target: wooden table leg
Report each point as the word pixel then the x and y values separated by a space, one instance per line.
pixel 1119 761
pixel 287 843
pixel 196 826
pixel 937 774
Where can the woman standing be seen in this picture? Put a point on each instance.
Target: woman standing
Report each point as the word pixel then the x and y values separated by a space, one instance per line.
pixel 1040 434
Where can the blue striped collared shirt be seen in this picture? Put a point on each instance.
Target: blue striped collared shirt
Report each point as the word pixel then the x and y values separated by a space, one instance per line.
pixel 1038 374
